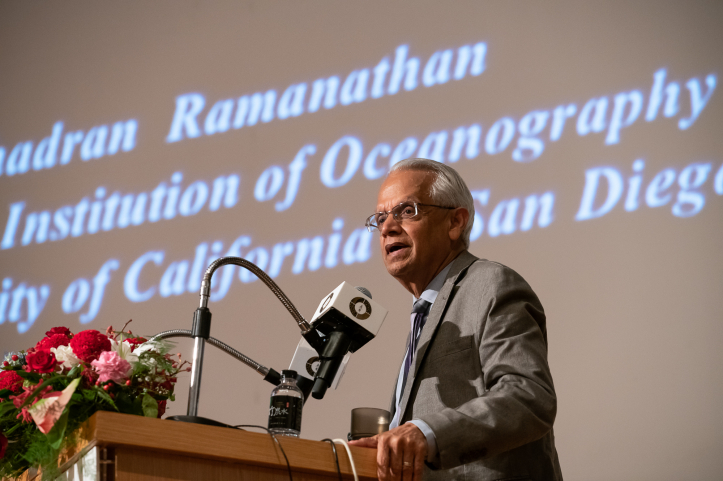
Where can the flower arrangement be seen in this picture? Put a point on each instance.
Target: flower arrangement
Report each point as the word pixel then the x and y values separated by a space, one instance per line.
pixel 48 391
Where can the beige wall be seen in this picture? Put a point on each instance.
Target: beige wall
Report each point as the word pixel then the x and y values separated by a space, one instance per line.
pixel 631 296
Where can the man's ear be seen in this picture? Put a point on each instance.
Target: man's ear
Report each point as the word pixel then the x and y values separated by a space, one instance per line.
pixel 458 221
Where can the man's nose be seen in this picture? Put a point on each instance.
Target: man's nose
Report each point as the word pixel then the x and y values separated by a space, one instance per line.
pixel 390 226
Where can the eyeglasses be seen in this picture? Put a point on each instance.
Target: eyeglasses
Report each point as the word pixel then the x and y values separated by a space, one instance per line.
pixel 401 212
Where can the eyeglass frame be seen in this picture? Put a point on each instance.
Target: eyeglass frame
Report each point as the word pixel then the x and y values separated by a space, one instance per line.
pixel 370 227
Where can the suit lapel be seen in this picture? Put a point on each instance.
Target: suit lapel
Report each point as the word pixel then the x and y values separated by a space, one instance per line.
pixel 433 320
pixel 393 408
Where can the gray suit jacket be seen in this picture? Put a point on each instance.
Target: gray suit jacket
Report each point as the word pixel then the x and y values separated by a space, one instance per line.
pixel 480 379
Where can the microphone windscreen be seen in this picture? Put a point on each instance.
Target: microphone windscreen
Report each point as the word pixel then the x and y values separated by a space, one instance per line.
pixel 364 291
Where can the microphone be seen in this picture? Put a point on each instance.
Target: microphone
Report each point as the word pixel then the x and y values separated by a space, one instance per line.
pixel 345 321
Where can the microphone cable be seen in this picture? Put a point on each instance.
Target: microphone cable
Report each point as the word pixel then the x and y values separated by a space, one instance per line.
pixel 336 456
pixel 330 441
pixel 288 466
pixel 351 458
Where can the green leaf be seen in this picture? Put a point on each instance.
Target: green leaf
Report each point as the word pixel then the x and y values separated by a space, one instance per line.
pixel 104 396
pixel 4 393
pixel 74 372
pixel 150 406
pixel 13 429
pixel 125 404
pixel 6 407
pixel 57 433
pixel 28 376
pixel 89 394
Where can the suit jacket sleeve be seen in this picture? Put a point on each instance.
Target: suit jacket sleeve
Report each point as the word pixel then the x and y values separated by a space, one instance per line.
pixel 518 404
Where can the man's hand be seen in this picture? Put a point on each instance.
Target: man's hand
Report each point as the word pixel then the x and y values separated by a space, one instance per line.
pixel 401 452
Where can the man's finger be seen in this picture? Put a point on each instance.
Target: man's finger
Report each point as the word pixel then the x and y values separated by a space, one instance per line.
pixel 418 468
pixel 396 457
pixel 365 442
pixel 382 458
pixel 408 460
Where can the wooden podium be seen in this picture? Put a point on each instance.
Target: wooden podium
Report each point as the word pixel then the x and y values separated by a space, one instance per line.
pixel 121 447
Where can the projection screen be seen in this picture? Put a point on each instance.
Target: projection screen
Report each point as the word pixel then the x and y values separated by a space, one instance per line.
pixel 141 140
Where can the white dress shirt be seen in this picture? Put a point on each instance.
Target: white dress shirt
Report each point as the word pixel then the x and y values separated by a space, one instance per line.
pixel 430 295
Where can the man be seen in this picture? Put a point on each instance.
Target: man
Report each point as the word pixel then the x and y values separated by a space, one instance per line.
pixel 474 398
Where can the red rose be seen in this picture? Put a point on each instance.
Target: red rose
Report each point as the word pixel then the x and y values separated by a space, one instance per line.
pixel 41 361
pixel 3 445
pixel 59 330
pixel 88 345
pixel 11 380
pixel 54 340
pixel 135 342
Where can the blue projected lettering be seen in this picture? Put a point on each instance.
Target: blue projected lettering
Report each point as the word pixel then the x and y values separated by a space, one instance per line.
pixel 689 201
pixel 500 135
pixel 465 136
pixel 698 100
pixel 75 295
pixel 507 217
pixel 523 135
pixel 371 171
pixel 271 180
pixel 291 103
pixel 626 109
pixel 634 183
pixel 529 147
pixel 22 303
pixel 130 284
pixel 403 69
pixel 182 276
pixel 57 149
pixel 295 168
pixel 478 224
pixel 604 187
pixel 433 146
pixel 354 88
pixel 269 183
pixel 559 115
pixel 328 165
pixel 718 183
pixel 247 110
pixel 592 181
pixel 594 117
pixel 106 213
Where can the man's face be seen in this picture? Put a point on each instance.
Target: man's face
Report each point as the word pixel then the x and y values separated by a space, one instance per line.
pixel 413 250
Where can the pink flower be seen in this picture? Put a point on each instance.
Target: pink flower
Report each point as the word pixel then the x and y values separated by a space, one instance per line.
pixel 20 399
pixel 111 367
pixel 46 411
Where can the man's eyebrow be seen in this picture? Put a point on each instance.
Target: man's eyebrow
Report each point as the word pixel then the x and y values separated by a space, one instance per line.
pixel 409 199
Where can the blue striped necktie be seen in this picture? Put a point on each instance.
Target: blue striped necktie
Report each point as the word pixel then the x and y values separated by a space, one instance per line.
pixel 420 311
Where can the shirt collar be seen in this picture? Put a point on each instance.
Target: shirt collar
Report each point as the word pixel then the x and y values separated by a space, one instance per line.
pixel 430 292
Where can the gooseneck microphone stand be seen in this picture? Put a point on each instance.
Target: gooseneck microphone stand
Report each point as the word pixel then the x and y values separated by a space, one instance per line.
pixel 201 333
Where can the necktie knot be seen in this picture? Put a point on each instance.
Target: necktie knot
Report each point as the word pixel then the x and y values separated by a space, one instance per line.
pixel 421 306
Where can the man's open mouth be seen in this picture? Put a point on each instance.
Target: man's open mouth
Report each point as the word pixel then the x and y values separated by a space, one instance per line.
pixel 392 248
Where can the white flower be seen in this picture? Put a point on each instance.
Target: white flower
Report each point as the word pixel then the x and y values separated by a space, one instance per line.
pixel 147 346
pixel 64 355
pixel 124 351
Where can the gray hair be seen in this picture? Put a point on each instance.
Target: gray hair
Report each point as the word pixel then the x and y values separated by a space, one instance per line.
pixel 448 188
